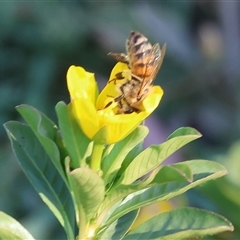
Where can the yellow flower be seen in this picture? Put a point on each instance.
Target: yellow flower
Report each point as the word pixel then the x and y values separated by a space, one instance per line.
pixel 95 112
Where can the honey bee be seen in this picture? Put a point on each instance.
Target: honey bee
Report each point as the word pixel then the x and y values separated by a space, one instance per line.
pixel 144 61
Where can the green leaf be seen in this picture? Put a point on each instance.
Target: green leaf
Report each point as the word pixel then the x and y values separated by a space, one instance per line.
pixel 130 156
pixel 113 161
pixel 46 132
pixel 163 188
pixel 12 229
pixel 42 174
pixel 182 223
pixel 88 190
pixel 165 175
pixel 176 172
pixel 151 157
pixel 119 228
pixel 184 131
pixel 75 140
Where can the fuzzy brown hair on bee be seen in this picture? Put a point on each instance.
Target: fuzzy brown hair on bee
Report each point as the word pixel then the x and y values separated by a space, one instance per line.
pixel 144 61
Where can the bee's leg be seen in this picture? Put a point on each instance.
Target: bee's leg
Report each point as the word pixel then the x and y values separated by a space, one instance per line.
pixel 135 77
pixel 117 99
pixel 108 104
pixel 120 97
pixel 121 76
pixel 118 76
pixel 120 57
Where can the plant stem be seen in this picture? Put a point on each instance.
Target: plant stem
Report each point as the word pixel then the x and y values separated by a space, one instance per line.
pixel 95 162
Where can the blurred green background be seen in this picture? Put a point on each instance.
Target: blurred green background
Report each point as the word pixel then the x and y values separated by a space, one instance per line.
pixel 200 75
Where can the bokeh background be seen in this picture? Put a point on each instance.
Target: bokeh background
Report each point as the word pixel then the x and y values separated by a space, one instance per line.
pixel 200 75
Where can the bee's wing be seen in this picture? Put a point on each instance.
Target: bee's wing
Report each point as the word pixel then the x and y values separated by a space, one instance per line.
pixel 153 66
pixel 156 60
pixel 120 57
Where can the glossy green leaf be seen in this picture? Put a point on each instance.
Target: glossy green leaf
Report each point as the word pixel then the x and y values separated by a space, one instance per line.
pixel 88 190
pixel 163 188
pixel 154 155
pixel 45 131
pixel 119 228
pixel 182 223
pixel 113 161
pixel 42 174
pixel 75 140
pixel 12 229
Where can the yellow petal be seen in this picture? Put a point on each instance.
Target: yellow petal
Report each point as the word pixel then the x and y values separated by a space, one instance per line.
pixel 86 115
pixel 151 102
pixel 110 91
pixel 119 126
pixel 81 84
